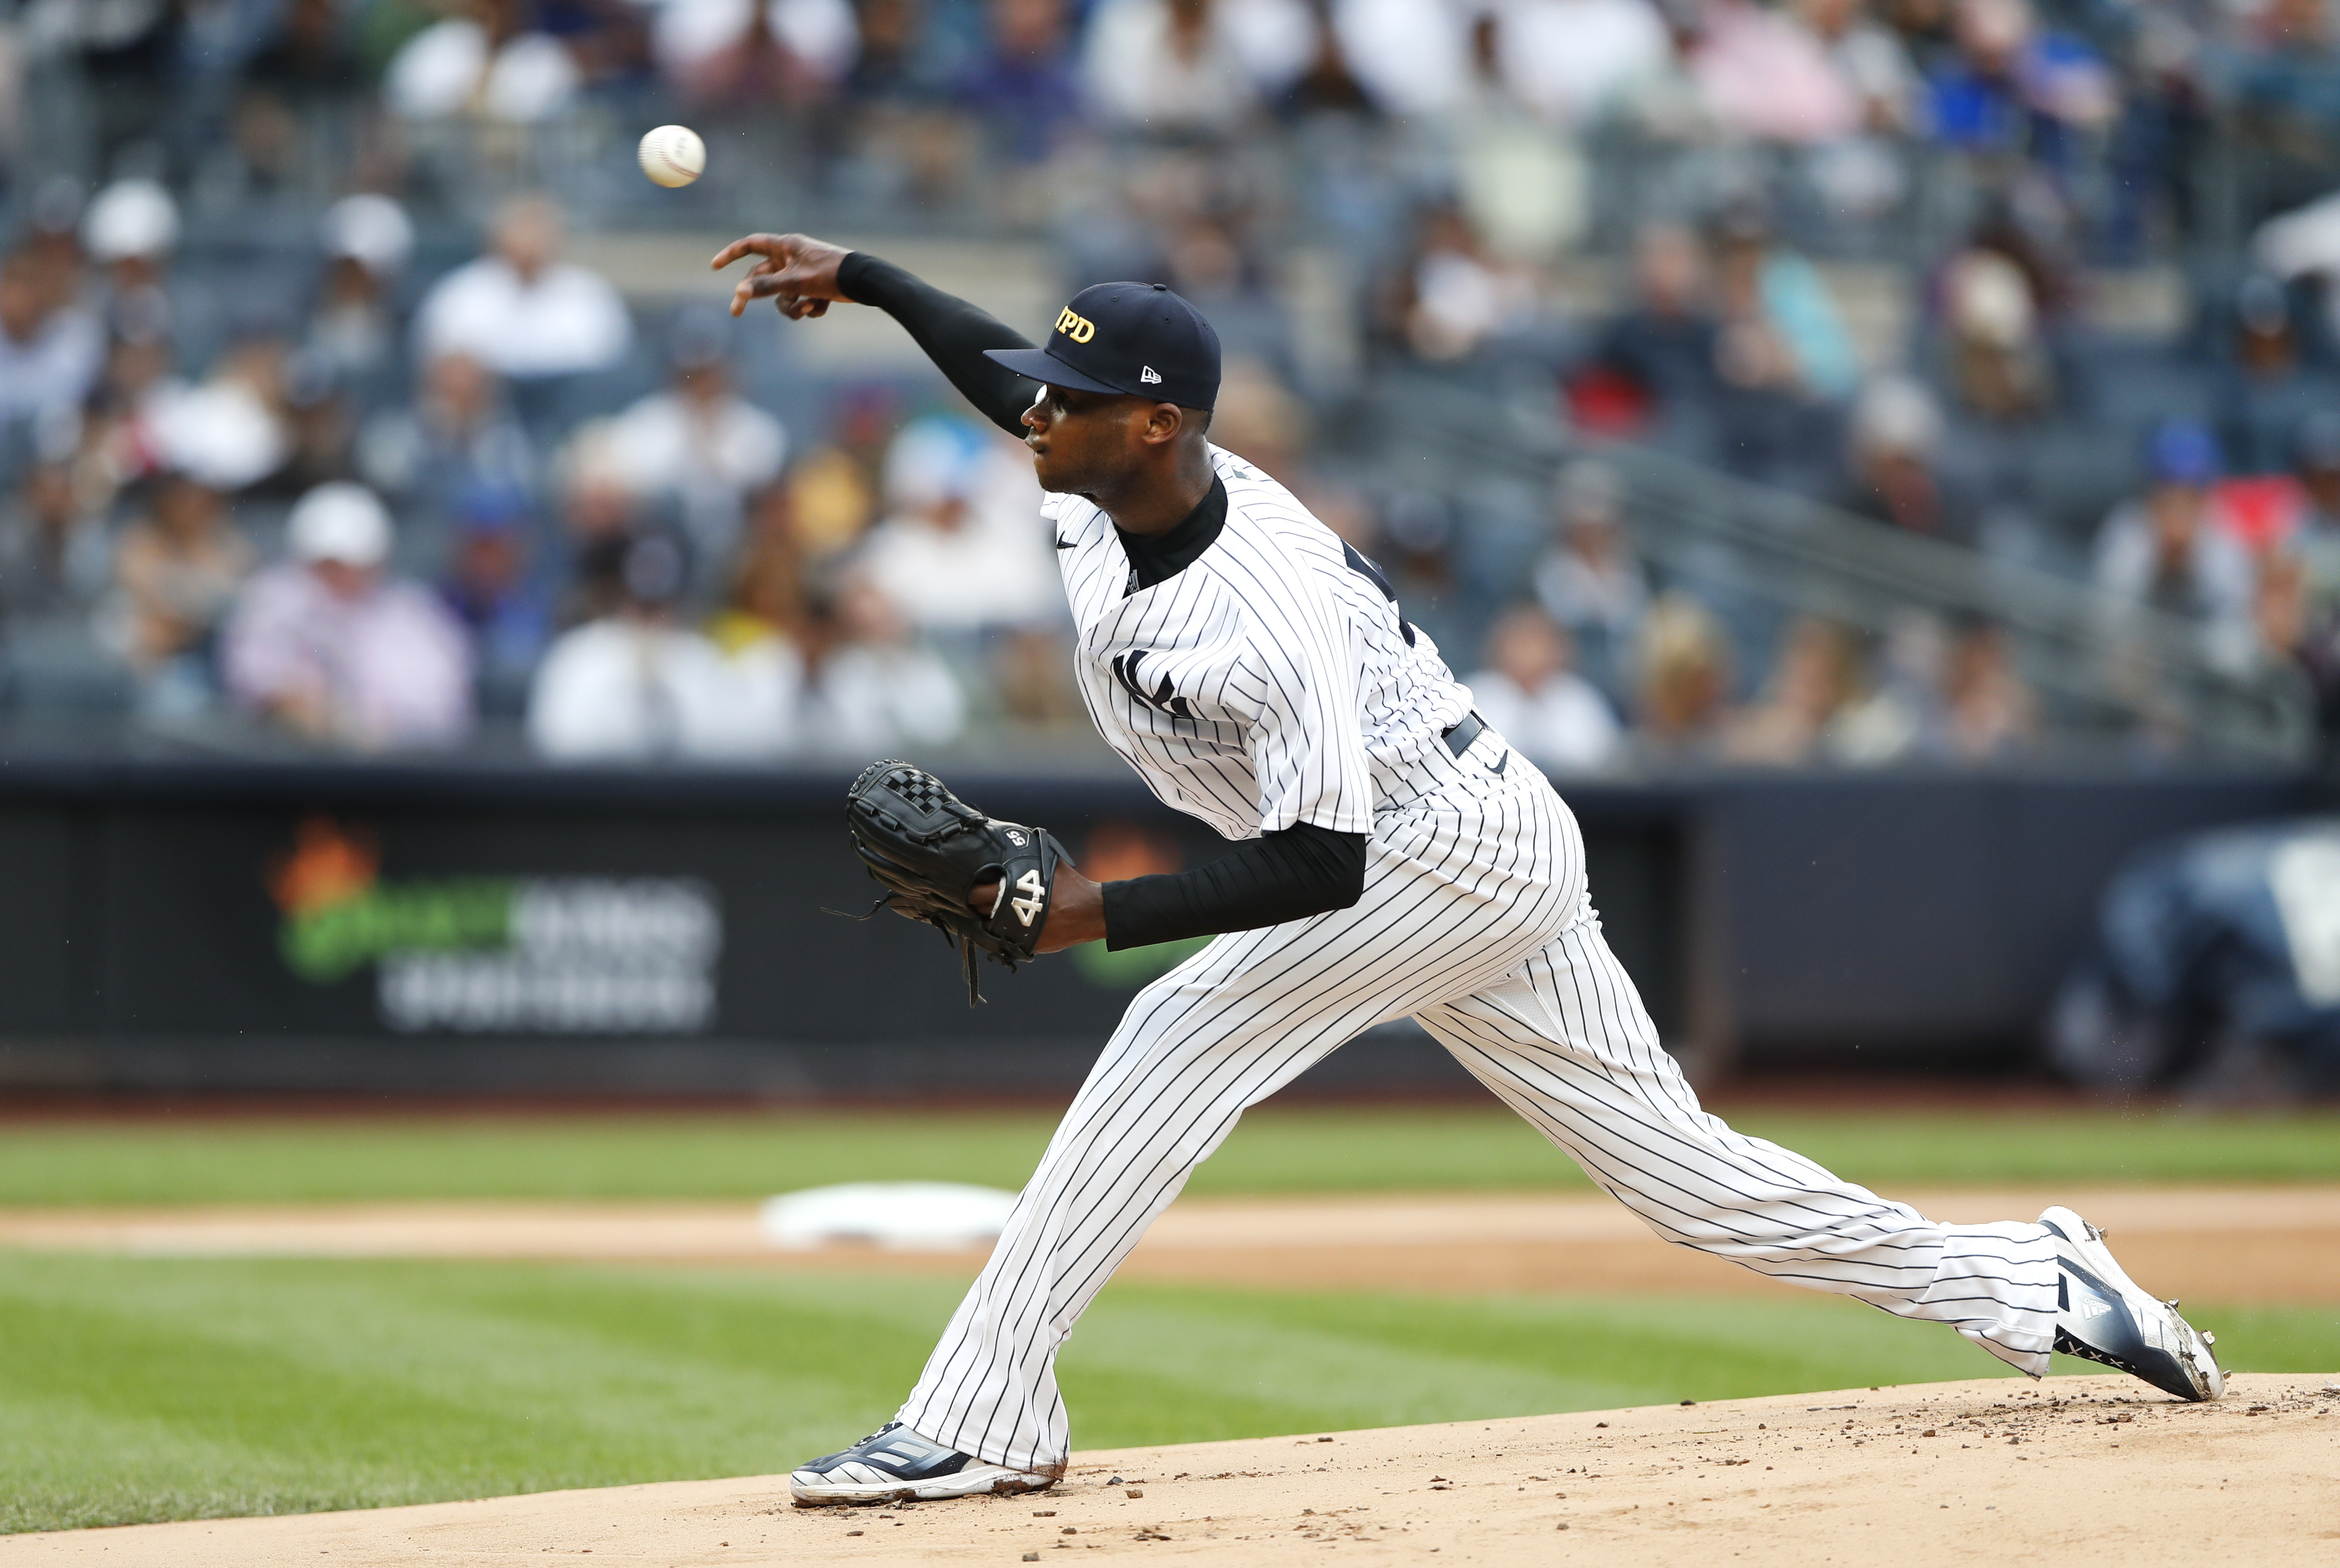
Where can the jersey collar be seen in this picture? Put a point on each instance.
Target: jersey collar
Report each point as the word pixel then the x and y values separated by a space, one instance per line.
pixel 1157 557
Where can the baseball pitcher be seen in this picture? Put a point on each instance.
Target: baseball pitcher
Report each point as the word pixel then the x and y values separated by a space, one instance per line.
pixel 1396 858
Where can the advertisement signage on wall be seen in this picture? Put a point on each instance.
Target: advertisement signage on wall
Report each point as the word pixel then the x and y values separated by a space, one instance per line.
pixel 499 955
pixel 319 919
pixel 216 928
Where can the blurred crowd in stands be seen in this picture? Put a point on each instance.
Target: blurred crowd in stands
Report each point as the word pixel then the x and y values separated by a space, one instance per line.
pixel 316 433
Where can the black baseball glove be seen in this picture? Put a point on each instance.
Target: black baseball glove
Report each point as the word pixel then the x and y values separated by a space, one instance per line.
pixel 928 849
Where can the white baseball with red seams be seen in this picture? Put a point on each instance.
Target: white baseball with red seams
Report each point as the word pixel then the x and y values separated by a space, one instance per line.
pixel 673 155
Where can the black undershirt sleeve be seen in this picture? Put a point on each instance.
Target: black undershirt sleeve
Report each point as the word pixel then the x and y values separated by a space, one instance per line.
pixel 1273 878
pixel 953 334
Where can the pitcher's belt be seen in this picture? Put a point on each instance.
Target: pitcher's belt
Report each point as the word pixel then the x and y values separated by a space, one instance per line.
pixel 1459 735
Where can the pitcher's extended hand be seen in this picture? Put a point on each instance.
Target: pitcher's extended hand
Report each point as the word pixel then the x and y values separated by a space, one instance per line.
pixel 798 272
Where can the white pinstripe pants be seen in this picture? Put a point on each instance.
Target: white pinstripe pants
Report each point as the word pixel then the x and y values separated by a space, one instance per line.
pixel 1475 921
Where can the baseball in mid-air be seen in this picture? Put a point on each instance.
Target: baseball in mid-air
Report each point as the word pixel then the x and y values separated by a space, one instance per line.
pixel 673 155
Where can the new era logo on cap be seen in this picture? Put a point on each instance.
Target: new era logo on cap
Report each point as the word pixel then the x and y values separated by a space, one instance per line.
pixel 1139 339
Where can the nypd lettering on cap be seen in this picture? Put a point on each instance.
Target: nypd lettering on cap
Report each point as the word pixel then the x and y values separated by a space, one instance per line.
pixel 1135 339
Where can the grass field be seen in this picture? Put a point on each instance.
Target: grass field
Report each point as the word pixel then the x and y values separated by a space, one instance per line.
pixel 150 1389
pixel 1444 1150
pixel 138 1389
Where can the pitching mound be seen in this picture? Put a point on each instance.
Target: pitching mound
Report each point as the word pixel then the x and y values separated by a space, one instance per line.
pixel 2077 1470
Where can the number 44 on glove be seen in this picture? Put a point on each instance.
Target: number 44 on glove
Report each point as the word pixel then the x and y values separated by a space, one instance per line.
pixel 929 850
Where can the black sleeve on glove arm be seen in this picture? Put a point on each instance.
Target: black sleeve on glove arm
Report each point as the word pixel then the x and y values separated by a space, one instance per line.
pixel 1277 877
pixel 953 334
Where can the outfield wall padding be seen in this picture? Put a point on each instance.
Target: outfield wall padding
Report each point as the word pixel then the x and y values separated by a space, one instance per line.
pixel 426 928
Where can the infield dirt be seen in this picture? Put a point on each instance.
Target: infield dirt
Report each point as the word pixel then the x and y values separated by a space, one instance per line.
pixel 2074 1471
pixel 2265 1243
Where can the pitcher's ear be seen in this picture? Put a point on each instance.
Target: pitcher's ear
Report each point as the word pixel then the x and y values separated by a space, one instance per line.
pixel 1166 422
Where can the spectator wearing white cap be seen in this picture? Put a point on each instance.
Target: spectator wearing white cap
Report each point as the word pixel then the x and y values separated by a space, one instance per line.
pixel 129 230
pixel 1892 462
pixel 336 650
pixel 366 239
pixel 132 224
pixel 130 233
pixel 521 311
pixel 223 432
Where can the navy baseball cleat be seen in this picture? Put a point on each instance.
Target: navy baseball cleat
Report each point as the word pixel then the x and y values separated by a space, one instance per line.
pixel 2102 1315
pixel 895 1464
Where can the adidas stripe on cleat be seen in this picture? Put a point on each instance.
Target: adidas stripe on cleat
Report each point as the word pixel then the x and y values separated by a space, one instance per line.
pixel 2102 1316
pixel 895 1464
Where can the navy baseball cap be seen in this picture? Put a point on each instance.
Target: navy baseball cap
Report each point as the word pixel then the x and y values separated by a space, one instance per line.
pixel 1138 339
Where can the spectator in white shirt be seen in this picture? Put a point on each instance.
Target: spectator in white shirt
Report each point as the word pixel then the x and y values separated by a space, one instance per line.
pixel 50 353
pixel 733 50
pixel 699 444
pixel 635 686
pixel 962 547
pixel 1868 55
pixel 522 311
pixel 487 62
pixel 1575 60
pixel 335 649
pixel 873 688
pixel 1568 61
pixel 1761 73
pixel 1527 693
pixel 1192 66
pixel 1413 57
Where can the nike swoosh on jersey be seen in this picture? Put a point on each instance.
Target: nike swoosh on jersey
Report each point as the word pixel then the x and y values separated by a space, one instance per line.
pixel 1065 544
pixel 1501 764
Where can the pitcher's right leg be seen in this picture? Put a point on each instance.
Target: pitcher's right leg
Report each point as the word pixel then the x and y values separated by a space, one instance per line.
pixel 1453 899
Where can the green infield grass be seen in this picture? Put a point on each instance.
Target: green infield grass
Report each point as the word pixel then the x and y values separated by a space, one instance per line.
pixel 1461 1148
pixel 144 1389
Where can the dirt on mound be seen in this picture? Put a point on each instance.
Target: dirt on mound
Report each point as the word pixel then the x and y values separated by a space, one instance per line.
pixel 2075 1470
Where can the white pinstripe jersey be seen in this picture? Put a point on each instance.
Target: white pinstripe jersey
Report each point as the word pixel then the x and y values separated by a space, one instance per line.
pixel 1270 682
